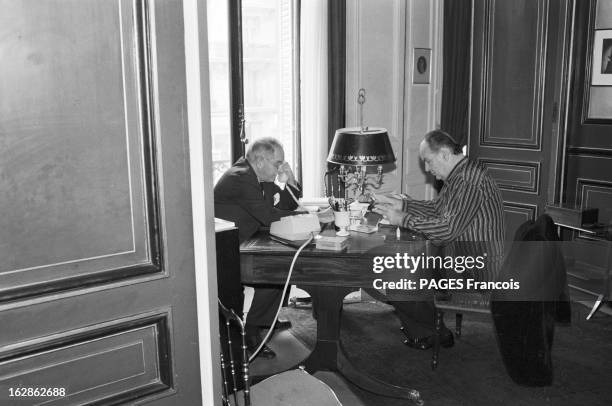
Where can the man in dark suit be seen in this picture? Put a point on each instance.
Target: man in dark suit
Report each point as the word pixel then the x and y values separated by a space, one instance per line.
pixel 254 192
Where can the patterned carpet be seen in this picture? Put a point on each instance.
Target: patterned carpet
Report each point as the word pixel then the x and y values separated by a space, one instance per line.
pixel 472 372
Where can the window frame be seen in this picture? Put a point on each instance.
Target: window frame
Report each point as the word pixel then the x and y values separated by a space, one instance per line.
pixel 236 83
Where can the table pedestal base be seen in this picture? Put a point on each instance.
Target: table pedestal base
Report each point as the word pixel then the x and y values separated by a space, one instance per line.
pixel 329 354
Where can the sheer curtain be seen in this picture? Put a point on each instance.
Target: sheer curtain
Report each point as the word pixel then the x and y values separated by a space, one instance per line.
pixel 314 94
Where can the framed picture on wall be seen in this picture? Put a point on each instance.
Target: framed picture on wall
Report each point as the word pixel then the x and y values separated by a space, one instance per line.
pixel 421 66
pixel 602 58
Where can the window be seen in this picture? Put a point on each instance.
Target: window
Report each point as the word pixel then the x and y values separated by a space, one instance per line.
pixel 269 63
pixel 219 86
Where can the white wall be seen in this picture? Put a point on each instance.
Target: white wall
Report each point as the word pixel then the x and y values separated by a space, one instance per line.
pixel 381 37
pixel 422 107
pixel 200 157
pixel 313 93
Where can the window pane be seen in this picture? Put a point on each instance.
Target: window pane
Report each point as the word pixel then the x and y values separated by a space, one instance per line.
pixel 219 86
pixel 267 41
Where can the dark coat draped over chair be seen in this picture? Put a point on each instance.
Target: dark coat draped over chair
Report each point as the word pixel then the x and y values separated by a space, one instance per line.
pixel 525 319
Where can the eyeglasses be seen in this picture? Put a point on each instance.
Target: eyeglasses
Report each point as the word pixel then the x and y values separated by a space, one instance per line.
pixel 276 164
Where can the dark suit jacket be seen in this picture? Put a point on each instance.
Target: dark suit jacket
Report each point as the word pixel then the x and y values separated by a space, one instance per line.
pixel 525 321
pixel 239 197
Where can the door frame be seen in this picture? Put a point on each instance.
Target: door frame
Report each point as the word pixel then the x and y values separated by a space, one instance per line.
pixel 562 93
pixel 200 158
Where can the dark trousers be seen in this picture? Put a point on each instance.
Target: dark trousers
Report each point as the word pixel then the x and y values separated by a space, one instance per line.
pixel 264 306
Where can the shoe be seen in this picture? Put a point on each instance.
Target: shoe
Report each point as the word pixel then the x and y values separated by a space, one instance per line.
pixel 253 342
pixel 301 302
pixel 425 343
pixel 282 324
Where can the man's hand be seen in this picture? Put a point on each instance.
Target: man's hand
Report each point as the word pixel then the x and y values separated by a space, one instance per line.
pixel 391 201
pixel 285 174
pixel 394 216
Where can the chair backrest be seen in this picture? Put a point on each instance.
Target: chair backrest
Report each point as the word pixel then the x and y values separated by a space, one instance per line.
pixel 464 302
pixel 231 357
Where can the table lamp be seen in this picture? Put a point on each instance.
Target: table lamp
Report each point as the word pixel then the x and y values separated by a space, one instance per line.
pixel 354 149
pixel 357 148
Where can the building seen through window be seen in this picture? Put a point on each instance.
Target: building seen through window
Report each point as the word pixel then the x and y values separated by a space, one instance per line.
pixel 268 76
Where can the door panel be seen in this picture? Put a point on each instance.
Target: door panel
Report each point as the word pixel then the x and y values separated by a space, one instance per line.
pixel 588 182
pixel 138 360
pixel 97 292
pixel 512 100
pixel 512 76
pixel 73 147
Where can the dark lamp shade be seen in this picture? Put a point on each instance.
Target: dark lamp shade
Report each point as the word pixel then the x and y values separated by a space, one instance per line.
pixel 351 146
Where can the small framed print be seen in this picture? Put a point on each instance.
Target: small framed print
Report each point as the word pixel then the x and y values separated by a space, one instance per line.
pixel 421 71
pixel 602 58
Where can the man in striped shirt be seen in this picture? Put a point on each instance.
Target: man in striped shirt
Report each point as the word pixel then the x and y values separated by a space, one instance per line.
pixel 468 213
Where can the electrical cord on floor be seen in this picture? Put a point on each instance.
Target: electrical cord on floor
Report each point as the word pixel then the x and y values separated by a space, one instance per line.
pixel 271 330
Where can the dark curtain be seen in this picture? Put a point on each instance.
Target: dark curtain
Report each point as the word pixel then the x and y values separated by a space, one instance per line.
pixel 336 53
pixel 336 76
pixel 236 83
pixel 456 73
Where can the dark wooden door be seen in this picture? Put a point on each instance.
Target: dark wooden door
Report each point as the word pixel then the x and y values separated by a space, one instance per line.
pixel 513 126
pixel 97 292
pixel 589 141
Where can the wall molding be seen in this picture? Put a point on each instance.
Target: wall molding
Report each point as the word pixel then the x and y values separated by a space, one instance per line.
pixel 399 66
pixel 585 186
pixel 527 174
pixel 144 340
pixel 535 137
pixel 529 211
pixel 586 151
pixel 142 258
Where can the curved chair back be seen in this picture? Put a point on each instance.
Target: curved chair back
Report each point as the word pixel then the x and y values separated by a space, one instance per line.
pixel 229 363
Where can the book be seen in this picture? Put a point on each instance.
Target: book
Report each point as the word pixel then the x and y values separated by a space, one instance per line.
pixel 363 228
pixel 331 243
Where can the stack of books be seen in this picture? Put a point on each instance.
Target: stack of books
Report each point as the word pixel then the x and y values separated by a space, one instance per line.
pixel 331 243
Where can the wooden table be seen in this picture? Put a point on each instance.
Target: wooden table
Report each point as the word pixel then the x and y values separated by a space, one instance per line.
pixel 328 276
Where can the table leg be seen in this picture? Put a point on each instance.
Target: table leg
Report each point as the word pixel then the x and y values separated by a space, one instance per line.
pixel 329 354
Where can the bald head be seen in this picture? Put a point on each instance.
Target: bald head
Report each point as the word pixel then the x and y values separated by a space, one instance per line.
pixel 440 153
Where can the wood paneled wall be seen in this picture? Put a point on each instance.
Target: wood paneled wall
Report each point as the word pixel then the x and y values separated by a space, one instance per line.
pixel 588 181
pixel 514 132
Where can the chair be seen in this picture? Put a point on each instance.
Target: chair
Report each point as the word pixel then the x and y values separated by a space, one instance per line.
pixel 290 387
pixel 524 320
pixel 459 303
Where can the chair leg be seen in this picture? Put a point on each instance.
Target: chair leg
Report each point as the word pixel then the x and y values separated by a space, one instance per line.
pixel 458 319
pixel 439 316
pixel 596 306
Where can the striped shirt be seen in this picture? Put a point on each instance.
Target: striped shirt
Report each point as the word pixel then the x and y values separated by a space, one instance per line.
pixel 468 208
